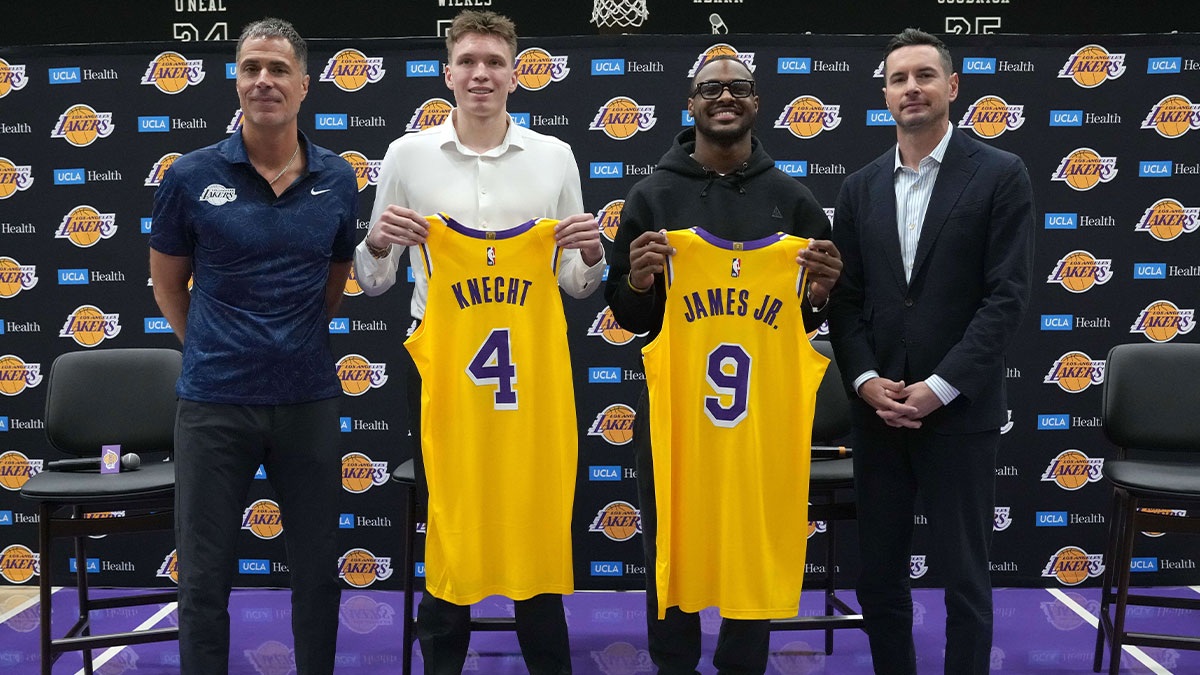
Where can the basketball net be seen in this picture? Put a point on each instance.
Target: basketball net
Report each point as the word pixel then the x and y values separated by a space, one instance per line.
pixel 619 13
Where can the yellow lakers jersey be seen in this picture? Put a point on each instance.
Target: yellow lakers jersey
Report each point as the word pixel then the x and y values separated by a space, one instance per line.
pixel 499 437
pixel 733 382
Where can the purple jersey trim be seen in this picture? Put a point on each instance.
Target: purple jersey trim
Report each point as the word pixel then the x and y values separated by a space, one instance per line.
pixel 481 234
pixel 738 246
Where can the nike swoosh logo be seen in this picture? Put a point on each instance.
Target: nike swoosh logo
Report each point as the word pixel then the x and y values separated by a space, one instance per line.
pixel 316 192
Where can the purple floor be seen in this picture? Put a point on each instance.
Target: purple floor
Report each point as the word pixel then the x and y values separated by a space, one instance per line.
pixel 1036 631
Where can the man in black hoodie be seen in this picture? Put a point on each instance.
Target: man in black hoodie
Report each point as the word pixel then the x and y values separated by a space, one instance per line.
pixel 717 177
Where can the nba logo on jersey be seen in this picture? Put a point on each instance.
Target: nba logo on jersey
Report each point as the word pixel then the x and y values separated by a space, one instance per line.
pixel 735 270
pixel 491 256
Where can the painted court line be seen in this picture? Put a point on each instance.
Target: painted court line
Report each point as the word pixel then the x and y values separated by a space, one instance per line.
pixel 147 624
pixel 25 605
pixel 1094 621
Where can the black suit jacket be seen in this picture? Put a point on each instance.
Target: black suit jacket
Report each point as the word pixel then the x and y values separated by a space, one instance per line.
pixel 969 288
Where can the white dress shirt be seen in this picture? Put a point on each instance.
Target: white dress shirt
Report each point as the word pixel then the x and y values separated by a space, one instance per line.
pixel 528 176
pixel 913 190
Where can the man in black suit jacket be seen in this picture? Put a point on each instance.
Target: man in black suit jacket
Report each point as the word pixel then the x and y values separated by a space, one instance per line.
pixel 937 241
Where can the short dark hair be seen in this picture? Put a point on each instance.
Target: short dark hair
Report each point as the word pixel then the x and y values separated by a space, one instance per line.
pixel 270 28
pixel 479 22
pixel 714 59
pixel 910 37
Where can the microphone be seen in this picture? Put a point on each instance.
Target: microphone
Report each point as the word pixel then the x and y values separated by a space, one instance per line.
pixel 129 462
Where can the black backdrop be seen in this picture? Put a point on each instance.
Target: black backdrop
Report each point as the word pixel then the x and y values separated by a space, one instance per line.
pixel 1097 269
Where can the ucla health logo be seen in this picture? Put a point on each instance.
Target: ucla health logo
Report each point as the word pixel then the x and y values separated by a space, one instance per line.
pixel 81 125
pixel 84 226
pixel 15 377
pixel 721 49
pixel 1072 469
pixel 621 117
pixel 1162 321
pixel 1079 271
pixel 154 178
pixel 806 117
pixel 351 70
pixel 1173 116
pixel 1092 65
pixel 991 116
pixel 1072 566
pixel 12 78
pixel 15 277
pixel 1166 219
pixel 1074 372
pixel 537 68
pixel 358 375
pixel 171 73
pixel 366 171
pixel 431 113
pixel 14 177
pixel 88 326
pixel 1084 168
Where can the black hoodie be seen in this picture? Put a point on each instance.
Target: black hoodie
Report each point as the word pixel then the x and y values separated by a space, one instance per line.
pixel 753 202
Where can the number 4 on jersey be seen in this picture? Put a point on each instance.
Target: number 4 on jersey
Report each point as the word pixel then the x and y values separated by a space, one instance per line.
pixel 492 366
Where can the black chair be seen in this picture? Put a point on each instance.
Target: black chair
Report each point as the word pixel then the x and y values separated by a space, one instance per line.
pixel 1149 409
pixel 95 398
pixel 830 489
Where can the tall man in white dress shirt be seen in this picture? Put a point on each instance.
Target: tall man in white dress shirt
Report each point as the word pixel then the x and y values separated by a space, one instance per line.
pixel 487 173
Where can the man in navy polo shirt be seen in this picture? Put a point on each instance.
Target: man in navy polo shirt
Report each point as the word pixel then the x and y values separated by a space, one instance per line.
pixel 264 223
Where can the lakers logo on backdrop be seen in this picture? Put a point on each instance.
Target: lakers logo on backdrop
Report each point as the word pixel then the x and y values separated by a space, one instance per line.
pixel 14 177
pixel 1175 513
pixel 1001 518
pixel 154 178
pixel 15 277
pixel 1162 321
pixel 1079 271
pixel 262 519
pixel 1072 469
pixel 16 376
pixel 621 117
pixel 272 658
pixel 614 424
pixel 235 122
pixel 537 68
pixel 990 116
pixel 720 49
pixel 169 569
pixel 1074 372
pixel 366 171
pixel 352 286
pixel 363 615
pixel 1072 566
pixel 351 70
pixel 16 468
pixel 358 375
pixel 1092 65
pixel 18 564
pixel 806 117
pixel 361 473
pixel 1173 116
pixel 622 658
pixel 88 326
pixel 1084 168
pixel 171 73
pixel 618 521
pixel 429 114
pixel 84 226
pixel 81 125
pixel 609 219
pixel 1166 219
pixel 12 77
pixel 817 527
pixel 361 568
pixel 917 567
pixel 606 326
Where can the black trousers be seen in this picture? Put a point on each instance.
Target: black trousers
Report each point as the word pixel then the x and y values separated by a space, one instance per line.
pixel 955 476
pixel 444 628
pixel 217 450
pixel 742 645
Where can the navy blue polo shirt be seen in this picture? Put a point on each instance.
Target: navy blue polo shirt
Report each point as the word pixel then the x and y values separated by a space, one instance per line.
pixel 257 331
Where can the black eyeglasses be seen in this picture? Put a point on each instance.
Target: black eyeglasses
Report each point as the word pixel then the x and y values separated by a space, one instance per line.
pixel 737 89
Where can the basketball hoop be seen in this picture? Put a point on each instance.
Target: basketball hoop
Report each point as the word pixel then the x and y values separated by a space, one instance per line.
pixel 617 14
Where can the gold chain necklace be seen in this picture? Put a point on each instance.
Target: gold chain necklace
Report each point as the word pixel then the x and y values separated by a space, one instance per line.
pixel 285 166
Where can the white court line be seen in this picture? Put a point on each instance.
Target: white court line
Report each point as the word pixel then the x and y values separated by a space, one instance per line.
pixel 148 623
pixel 26 605
pixel 1154 666
pixel 1195 588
